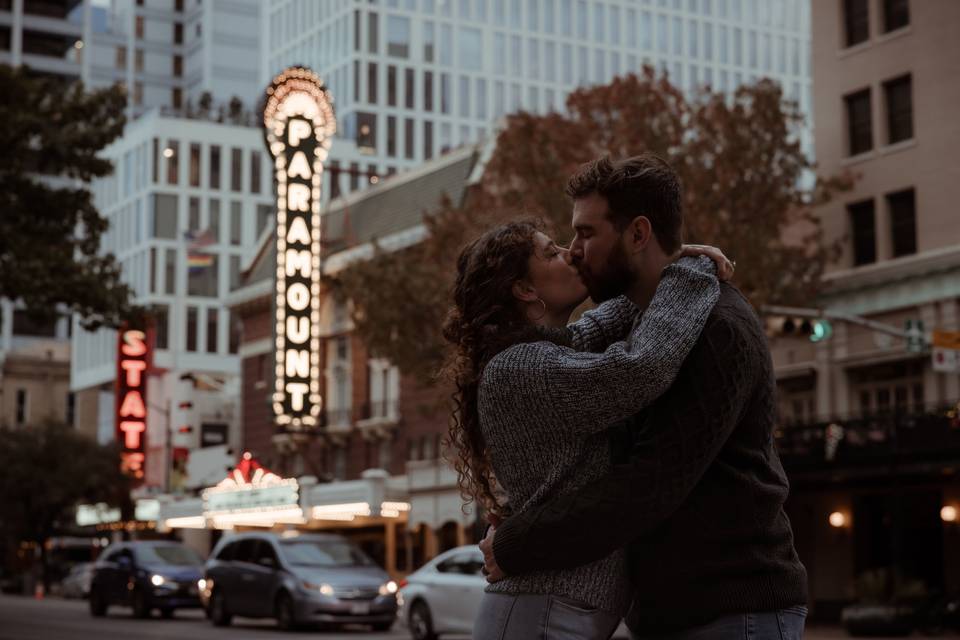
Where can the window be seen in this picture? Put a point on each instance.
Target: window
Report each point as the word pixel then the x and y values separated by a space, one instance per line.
pixel 236 223
pixel 236 169
pixel 366 132
pixel 176 97
pixel 427 140
pixel 202 279
pixel 391 136
pixel 856 19
pixel 446 45
pixel 177 33
pixel 428 91
pixel 409 91
pixel 153 270
pixel 214 226
pixel 471 50
pixel 164 216
pixel 214 166
pixel 138 60
pixel 255 172
pixel 193 214
pixel 170 272
pixel 859 124
pixel 391 86
pixel 191 328
pixel 234 273
pixel 863 225
pixel 194 165
pixel 408 139
pixel 172 154
pixel 178 66
pixel 372 82
pixel 264 216
pixel 444 93
pixel 481 99
pixel 398 37
pixel 139 27
pixel 160 326
pixel 464 98
pixel 212 330
pixel 372 32
pixel 428 42
pixel 121 59
pixel 21 407
pixel 902 206
pixel 233 338
pixel 896 14
pixel 899 105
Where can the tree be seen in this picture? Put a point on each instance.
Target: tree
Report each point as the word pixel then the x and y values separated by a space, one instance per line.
pixel 50 229
pixel 743 174
pixel 47 470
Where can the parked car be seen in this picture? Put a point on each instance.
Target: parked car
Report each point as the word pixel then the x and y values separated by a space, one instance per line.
pixel 443 595
pixel 146 575
pixel 77 582
pixel 318 579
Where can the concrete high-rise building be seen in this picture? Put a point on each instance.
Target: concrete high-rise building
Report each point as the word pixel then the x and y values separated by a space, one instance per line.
pixel 869 433
pixel 169 53
pixel 47 37
pixel 414 78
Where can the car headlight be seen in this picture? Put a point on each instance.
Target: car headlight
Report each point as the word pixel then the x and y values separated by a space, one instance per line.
pixel 388 588
pixel 157 580
pixel 324 589
pixel 202 584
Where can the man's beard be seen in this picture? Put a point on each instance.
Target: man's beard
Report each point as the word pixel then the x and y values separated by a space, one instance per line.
pixel 612 281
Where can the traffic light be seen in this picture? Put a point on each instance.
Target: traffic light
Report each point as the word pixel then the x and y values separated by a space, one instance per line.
pixel 816 329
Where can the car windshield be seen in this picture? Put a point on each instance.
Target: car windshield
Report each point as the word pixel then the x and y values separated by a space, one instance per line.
pixel 168 554
pixel 324 553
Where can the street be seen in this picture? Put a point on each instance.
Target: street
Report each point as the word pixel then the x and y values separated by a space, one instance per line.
pixel 55 619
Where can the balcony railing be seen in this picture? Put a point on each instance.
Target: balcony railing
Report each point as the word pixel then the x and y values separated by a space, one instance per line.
pixel 888 438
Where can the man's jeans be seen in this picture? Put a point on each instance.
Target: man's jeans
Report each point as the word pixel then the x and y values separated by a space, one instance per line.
pixel 540 617
pixel 785 624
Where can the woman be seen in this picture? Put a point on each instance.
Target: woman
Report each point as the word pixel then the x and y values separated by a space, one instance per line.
pixel 534 397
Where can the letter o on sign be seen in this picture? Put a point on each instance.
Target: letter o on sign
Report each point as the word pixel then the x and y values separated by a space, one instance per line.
pixel 298 296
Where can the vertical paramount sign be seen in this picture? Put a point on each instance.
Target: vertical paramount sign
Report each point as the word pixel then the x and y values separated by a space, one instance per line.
pixel 298 125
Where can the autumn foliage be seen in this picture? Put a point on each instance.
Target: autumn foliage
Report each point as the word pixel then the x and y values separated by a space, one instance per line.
pixel 745 183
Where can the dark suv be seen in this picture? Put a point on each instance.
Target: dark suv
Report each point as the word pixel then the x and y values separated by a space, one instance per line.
pixel 318 579
pixel 146 575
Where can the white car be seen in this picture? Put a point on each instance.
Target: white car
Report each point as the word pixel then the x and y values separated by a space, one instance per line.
pixel 443 595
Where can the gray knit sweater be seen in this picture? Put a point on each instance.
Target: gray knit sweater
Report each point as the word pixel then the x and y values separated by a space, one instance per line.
pixel 544 410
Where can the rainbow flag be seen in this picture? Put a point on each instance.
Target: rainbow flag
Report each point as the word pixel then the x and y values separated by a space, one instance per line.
pixel 197 260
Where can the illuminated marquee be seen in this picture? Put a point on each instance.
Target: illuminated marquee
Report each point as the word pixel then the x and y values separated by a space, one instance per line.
pixel 252 495
pixel 131 393
pixel 298 126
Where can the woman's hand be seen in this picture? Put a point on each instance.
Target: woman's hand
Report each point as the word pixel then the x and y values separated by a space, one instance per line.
pixel 725 267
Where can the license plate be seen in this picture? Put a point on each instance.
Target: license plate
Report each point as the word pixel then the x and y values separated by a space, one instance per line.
pixel 360 608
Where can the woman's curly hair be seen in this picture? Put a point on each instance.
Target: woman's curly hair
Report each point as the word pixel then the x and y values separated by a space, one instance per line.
pixel 484 320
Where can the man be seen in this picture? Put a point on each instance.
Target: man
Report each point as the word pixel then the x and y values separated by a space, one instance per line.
pixel 696 489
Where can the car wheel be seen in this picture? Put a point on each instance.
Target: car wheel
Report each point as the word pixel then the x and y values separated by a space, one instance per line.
pixel 219 614
pixel 166 613
pixel 421 622
pixel 382 626
pixel 140 607
pixel 286 617
pixel 98 606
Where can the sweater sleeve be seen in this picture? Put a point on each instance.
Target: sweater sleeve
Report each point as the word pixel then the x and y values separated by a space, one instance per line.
pixel 590 391
pixel 683 434
pixel 600 327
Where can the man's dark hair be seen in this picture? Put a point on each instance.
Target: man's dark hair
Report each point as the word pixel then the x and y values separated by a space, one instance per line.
pixel 644 185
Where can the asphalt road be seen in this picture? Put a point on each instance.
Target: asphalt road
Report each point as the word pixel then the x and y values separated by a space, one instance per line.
pixel 56 619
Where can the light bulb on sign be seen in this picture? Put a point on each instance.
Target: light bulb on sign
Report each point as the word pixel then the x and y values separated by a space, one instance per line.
pixel 948 513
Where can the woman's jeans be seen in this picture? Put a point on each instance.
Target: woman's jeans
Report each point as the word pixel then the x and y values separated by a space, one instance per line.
pixel 540 617
pixel 785 624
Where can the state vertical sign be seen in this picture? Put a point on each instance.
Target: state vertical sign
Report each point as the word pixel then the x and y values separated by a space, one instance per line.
pixel 298 124
pixel 133 362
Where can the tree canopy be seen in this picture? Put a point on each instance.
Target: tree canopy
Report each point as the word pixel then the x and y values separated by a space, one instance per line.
pixel 50 229
pixel 748 189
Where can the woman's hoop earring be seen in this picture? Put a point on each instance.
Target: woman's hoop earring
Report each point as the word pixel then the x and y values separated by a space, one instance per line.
pixel 544 305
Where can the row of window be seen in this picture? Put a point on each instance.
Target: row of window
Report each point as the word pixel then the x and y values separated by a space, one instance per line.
pixel 856 18
pixel 166 161
pixel 22 415
pixel 898 107
pixel 901 210
pixel 139 56
pixel 204 328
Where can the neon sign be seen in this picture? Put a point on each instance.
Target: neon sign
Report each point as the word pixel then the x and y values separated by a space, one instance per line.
pixel 298 125
pixel 131 393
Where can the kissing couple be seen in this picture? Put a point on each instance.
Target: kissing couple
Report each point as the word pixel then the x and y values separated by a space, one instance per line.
pixel 626 460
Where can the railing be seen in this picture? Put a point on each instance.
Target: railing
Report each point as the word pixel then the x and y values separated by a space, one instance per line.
pixel 888 438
